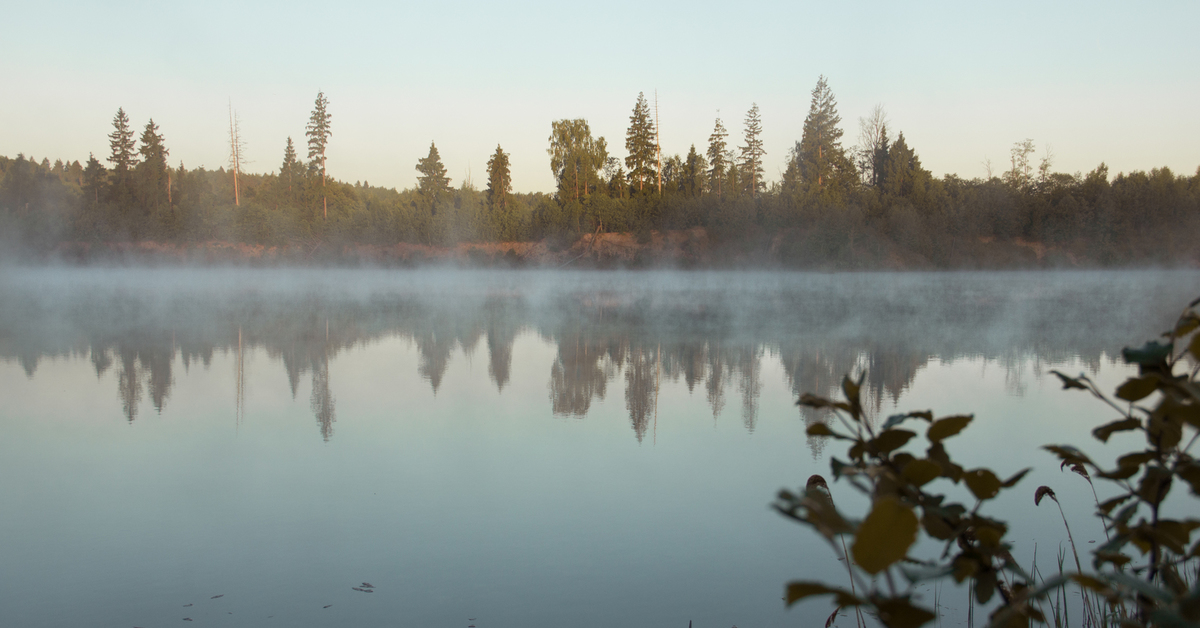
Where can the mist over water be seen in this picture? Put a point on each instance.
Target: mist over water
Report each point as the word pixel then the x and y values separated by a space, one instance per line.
pixel 584 448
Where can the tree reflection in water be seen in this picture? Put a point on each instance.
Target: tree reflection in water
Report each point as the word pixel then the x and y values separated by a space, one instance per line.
pixel 890 326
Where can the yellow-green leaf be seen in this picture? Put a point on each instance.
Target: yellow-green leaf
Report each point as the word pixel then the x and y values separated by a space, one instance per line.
pixel 947 427
pixel 885 535
pixel 891 440
pixel 1194 346
pixel 983 483
pixel 1136 388
pixel 921 471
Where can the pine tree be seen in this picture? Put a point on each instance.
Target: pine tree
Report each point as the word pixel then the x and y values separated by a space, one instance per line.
pixel 819 155
pixel 752 152
pixel 718 162
pixel 319 132
pixel 640 142
pixel 499 181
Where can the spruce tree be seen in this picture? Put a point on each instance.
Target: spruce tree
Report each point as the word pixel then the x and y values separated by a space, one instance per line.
pixel 499 181
pixel 319 131
pixel 717 160
pixel 641 142
pixel 694 175
pixel 432 182
pixel 291 169
pixel 752 152
pixel 120 141
pixel 123 158
pixel 94 176
pixel 819 155
pixel 152 171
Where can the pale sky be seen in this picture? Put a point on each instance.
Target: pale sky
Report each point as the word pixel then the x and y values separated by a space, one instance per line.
pixel 1095 81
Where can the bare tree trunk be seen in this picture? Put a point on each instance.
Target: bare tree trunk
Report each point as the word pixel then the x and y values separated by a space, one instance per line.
pixel 234 155
pixel 658 148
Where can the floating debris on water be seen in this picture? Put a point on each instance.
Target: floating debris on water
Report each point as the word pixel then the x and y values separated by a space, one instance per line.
pixel 368 585
pixel 327 606
pixel 187 619
pixel 186 605
pixel 216 596
pixel 361 589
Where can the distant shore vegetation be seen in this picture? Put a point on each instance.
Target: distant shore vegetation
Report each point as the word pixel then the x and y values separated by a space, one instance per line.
pixel 869 205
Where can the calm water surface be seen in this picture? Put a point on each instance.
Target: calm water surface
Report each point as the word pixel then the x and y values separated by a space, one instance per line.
pixel 502 448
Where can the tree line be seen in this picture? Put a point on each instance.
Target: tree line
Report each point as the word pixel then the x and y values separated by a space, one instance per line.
pixel 867 205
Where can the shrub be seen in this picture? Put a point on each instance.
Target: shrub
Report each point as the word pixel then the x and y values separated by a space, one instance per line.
pixel 1144 575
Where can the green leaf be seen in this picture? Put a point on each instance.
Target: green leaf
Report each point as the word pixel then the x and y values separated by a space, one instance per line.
pixel 1155 485
pixel 1128 465
pixel 1151 353
pixel 813 401
pixel 947 427
pixel 1137 388
pixel 1124 425
pixel 983 483
pixel 1016 477
pixel 885 535
pixel 838 467
pixel 1164 430
pixel 900 613
pixel 921 471
pixel 1091 582
pixel 1116 558
pixel 937 453
pixel 1167 618
pixel 1179 411
pixel 922 572
pixel 1137 584
pixel 797 591
pixel 897 419
pixel 1179 532
pixel 985 586
pixel 890 440
pixel 1069 382
pixel 820 429
pixel 1108 505
pixel 1068 454
pixel 938 523
pixel 1190 473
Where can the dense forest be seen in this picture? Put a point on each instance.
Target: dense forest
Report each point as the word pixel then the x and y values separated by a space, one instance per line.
pixel 869 205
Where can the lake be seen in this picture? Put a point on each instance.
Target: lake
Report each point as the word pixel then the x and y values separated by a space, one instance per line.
pixel 505 448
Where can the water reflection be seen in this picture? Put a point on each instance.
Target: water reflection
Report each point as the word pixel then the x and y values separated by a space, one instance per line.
pixel 712 332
